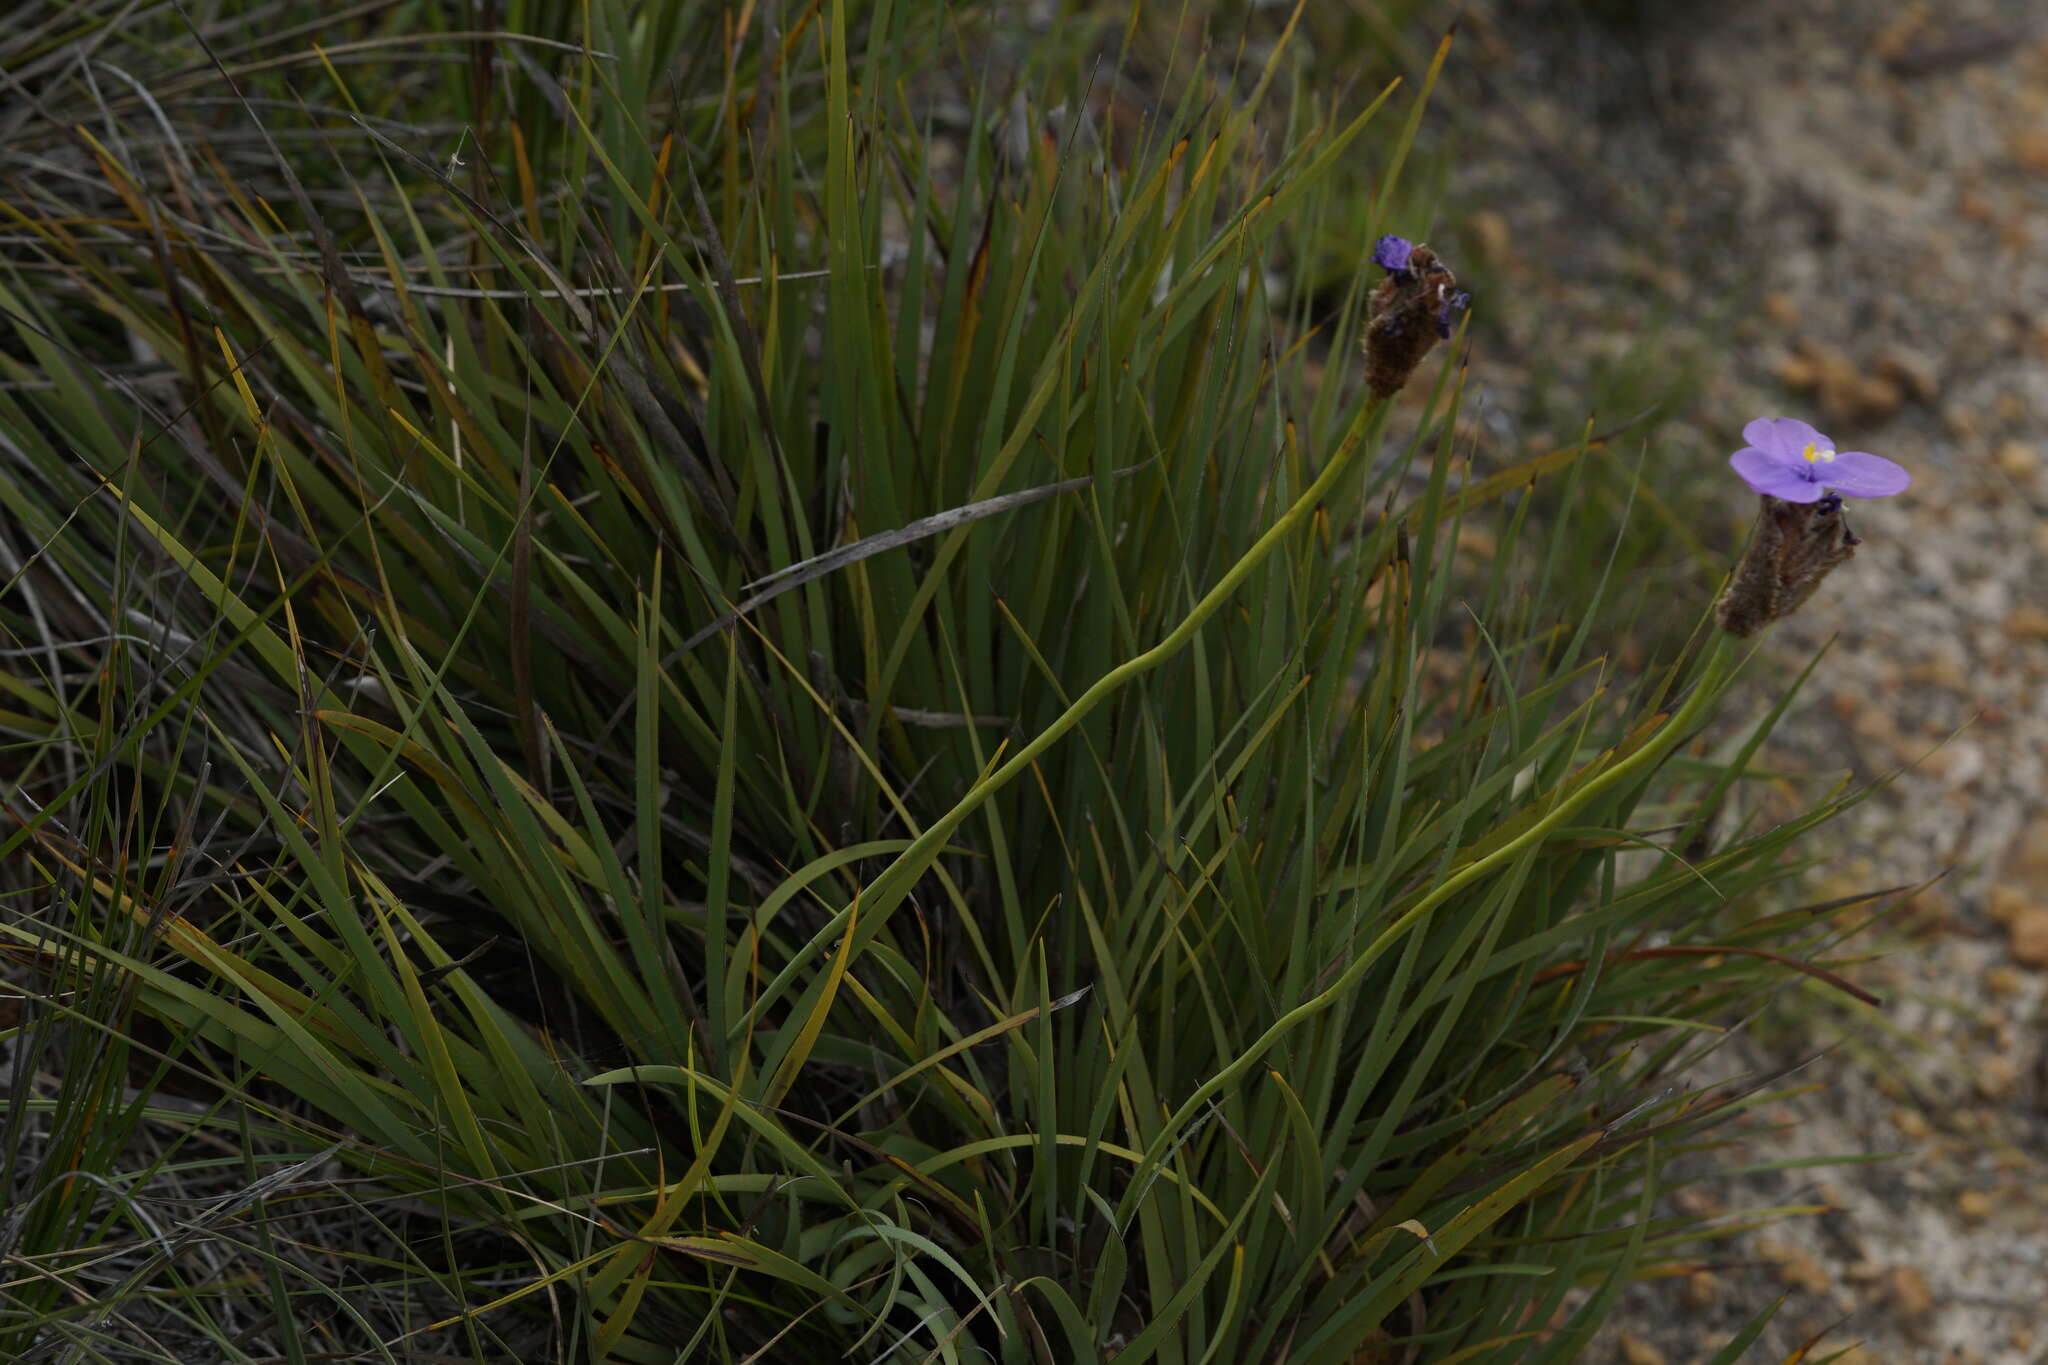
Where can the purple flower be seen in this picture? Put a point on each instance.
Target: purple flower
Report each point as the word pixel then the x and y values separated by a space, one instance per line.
pixel 1453 305
pixel 1789 460
pixel 1391 253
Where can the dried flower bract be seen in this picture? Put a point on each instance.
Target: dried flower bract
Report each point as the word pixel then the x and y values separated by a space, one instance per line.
pixel 1795 545
pixel 1415 307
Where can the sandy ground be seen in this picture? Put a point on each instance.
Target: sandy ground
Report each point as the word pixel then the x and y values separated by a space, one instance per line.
pixel 1869 183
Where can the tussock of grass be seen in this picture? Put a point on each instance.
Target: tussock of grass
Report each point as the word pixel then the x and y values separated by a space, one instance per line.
pixel 664 708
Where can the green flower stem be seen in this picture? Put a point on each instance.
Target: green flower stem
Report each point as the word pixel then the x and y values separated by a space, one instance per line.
pixel 1721 659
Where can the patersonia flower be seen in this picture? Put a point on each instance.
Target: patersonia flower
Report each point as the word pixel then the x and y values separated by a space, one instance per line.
pixel 1788 459
pixel 1801 534
pixel 1416 305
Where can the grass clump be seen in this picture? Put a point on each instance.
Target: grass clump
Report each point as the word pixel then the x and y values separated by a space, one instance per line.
pixel 684 686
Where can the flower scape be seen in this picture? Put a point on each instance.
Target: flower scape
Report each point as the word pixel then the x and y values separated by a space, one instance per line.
pixel 1801 532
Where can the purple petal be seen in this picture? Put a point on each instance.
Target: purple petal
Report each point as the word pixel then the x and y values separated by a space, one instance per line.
pixel 1755 461
pixel 1391 252
pixel 1784 435
pixel 1773 474
pixel 1860 474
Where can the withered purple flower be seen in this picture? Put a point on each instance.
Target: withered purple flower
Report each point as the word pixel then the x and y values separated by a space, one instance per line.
pixel 1788 459
pixel 1392 253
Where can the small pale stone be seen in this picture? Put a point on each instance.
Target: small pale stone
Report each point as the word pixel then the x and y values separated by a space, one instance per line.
pixel 2026 623
pixel 1797 372
pixel 1876 725
pixel 2029 930
pixel 1995 1077
pixel 1941 671
pixel 1841 395
pixel 1696 1202
pixel 2017 459
pixel 1781 308
pixel 1930 912
pixel 1907 1289
pixel 1898 36
pixel 1913 370
pixel 1909 1298
pixel 1636 1351
pixel 2030 149
pixel 1876 397
pixel 2028 863
pixel 1798 1267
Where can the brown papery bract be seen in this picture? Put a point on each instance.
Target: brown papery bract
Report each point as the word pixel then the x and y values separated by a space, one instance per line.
pixel 1795 546
pixel 1405 312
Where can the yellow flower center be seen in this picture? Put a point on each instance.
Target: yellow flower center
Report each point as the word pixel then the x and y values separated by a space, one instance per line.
pixel 1815 455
